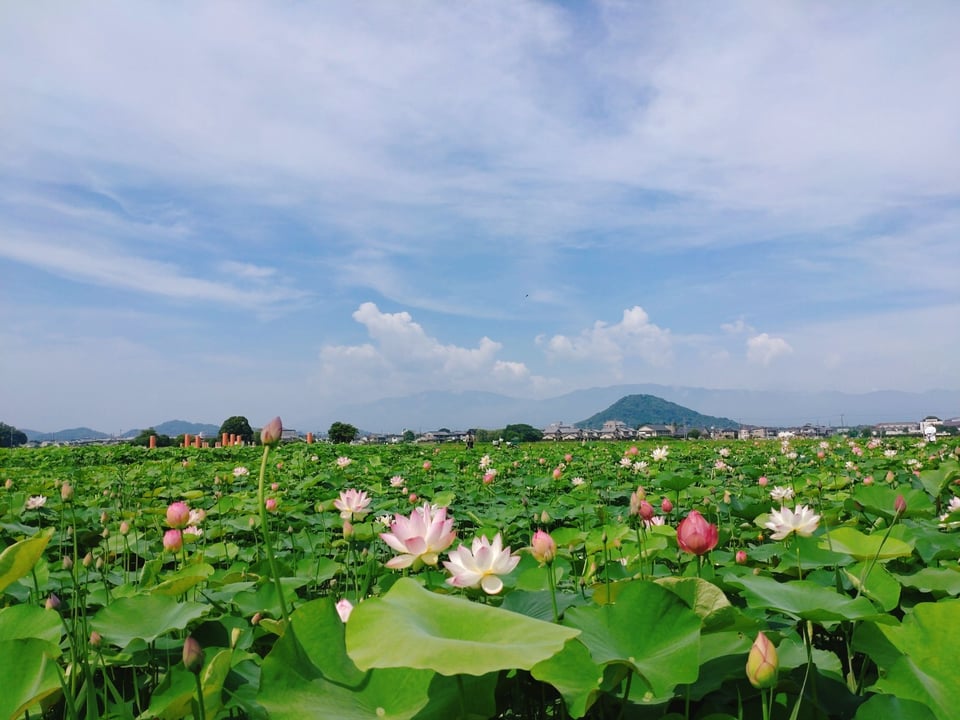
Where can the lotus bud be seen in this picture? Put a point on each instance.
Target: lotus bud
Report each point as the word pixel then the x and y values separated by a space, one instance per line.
pixel 173 541
pixel 67 562
pixel 87 560
pixel 741 557
pixel 695 535
pixel 192 655
pixel 235 637
pixel 66 492
pixel 900 505
pixel 178 515
pixel 96 639
pixel 344 608
pixel 762 663
pixel 543 547
pixel 666 505
pixel 124 528
pixel 544 517
pixel 271 432
pixel 52 603
pixel 257 617
pixel 762 481
pixel 646 510
pixel 8 483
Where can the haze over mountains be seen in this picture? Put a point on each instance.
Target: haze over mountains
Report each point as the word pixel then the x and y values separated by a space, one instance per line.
pixel 462 410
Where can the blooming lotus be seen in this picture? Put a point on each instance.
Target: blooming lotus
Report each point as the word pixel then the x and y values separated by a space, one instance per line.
pixel 802 521
pixel 352 504
pixel 419 538
pixel 481 565
pixel 660 453
pixel 343 461
pixel 35 502
pixel 780 494
pixel 695 535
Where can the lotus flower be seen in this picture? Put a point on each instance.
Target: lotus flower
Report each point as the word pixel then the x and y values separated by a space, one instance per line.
pixel 352 504
pixel 543 547
pixel 695 535
pixel 802 521
pixel 419 538
pixel 271 432
pixel 481 565
pixel 178 515
pixel 173 540
pixel 192 655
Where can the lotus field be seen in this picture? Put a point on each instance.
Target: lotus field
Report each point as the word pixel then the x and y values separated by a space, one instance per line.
pixel 698 579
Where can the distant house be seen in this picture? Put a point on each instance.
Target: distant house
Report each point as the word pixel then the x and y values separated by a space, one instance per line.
pixel 616 430
pixel 655 430
pixel 443 435
pixel 562 431
pixel 897 428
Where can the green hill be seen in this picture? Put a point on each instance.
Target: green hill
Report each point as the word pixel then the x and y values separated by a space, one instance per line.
pixel 636 410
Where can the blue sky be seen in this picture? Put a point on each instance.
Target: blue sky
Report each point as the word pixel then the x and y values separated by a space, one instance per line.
pixel 222 208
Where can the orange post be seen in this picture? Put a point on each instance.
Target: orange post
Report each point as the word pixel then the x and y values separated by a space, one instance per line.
pixel 186 439
pixel 153 442
pixel 309 438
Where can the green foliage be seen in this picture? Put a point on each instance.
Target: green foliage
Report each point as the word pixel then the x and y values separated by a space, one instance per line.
pixel 341 432
pixel 409 436
pixel 636 410
pixel 521 433
pixel 10 436
pixel 239 426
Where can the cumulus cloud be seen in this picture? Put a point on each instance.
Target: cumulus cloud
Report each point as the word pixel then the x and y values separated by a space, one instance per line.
pixel 763 349
pixel 634 337
pixel 403 358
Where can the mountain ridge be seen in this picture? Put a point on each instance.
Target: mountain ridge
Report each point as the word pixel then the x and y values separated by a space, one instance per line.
pixel 642 409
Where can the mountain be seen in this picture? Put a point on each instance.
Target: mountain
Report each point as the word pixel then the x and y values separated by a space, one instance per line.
pixel 179 427
pixel 636 410
pixel 772 408
pixel 68 435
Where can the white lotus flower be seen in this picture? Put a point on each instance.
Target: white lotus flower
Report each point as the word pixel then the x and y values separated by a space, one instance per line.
pixel 801 520
pixel 481 564
pixel 781 493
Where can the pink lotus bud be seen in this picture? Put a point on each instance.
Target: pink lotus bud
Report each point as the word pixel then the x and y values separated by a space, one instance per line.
pixel 900 505
pixel 413 497
pixel 52 603
pixel 568 457
pixel 96 639
pixel 741 557
pixel 172 541
pixel 762 481
pixel 124 528
pixel 271 504
pixel 104 517
pixel 67 562
pixel 192 655
pixel 66 492
pixel 347 529
pixel 271 432
pixel 257 617
pixel 868 480
pixel 762 663
pixel 488 477
pixel 543 547
pixel 557 473
pixel 695 535
pixel 646 510
pixel 344 608
pixel 633 451
pixel 427 464
pixel 8 483
pixel 666 505
pixel 178 515
pixel 87 560
pixel 274 486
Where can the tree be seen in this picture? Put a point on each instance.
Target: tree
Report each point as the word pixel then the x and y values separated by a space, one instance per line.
pixel 341 432
pixel 693 434
pixel 10 436
pixel 521 433
pixel 409 436
pixel 143 439
pixel 239 426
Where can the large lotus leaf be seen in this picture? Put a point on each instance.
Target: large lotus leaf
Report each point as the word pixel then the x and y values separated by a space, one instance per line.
pixel 936 480
pixel 802 599
pixel 878 585
pixel 18 559
pixel 933 580
pixel 320 633
pixel 865 547
pixel 29 621
pixel 650 629
pixel 178 690
pixel 575 675
pixel 179 582
pixel 890 707
pixel 927 670
pixel 880 499
pixel 146 617
pixel 447 634
pixel 538 604
pixel 29 675
pixel 704 598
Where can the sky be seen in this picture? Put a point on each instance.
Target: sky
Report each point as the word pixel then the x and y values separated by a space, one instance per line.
pixel 282 208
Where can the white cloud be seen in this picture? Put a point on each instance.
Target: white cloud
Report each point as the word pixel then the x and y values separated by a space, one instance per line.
pixel 403 358
pixel 764 349
pixel 634 337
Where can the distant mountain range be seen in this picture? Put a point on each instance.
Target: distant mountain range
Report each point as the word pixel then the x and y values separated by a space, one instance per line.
pixel 771 408
pixel 472 409
pixel 171 428
pixel 636 410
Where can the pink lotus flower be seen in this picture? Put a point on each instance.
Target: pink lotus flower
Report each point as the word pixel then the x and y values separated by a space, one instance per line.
pixel 419 538
pixel 352 504
pixel 178 515
pixel 173 541
pixel 695 535
pixel 481 565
